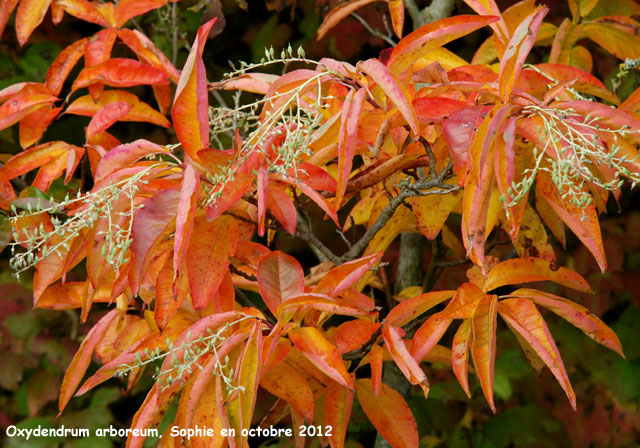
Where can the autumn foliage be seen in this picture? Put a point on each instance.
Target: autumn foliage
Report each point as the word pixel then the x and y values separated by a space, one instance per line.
pixel 176 239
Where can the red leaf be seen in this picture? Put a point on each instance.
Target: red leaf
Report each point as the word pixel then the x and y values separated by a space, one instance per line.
pixel 7 195
pixel 146 50
pixel 120 72
pixel 458 132
pixel 190 111
pixel 210 246
pixel 185 215
pixel 322 353
pixel 389 414
pixel 431 36
pixel 149 223
pixel 232 192
pixel 280 277
pixel 282 207
pixel 98 47
pixel 127 9
pixel 82 358
pixel 347 145
pixel 124 155
pixel 107 116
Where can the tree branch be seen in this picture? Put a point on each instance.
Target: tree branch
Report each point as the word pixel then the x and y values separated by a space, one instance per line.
pixel 415 189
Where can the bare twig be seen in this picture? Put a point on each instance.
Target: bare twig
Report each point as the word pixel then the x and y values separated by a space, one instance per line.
pixel 374 31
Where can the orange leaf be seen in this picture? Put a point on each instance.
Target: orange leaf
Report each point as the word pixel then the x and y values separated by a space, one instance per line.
pixel 406 363
pixel 139 111
pixel 19 106
pixel 427 336
pixel 464 303
pixel 344 276
pixel 337 404
pixel 396 11
pixel 210 246
pixel 587 230
pixel 431 36
pixel 577 315
pixel 524 270
pixel 32 126
pixel 339 13
pixel 460 354
pixel 523 317
pixel 354 334
pixel 106 117
pixel 483 346
pixel 30 14
pixel 389 414
pixel 33 158
pixel 63 64
pixel 82 358
pixel 248 375
pixel 376 357
pixel 394 89
pixel 517 51
pixel 289 384
pixel 280 277
pixel 6 8
pixel 409 309
pixel 84 10
pixel 190 110
pixel 322 353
